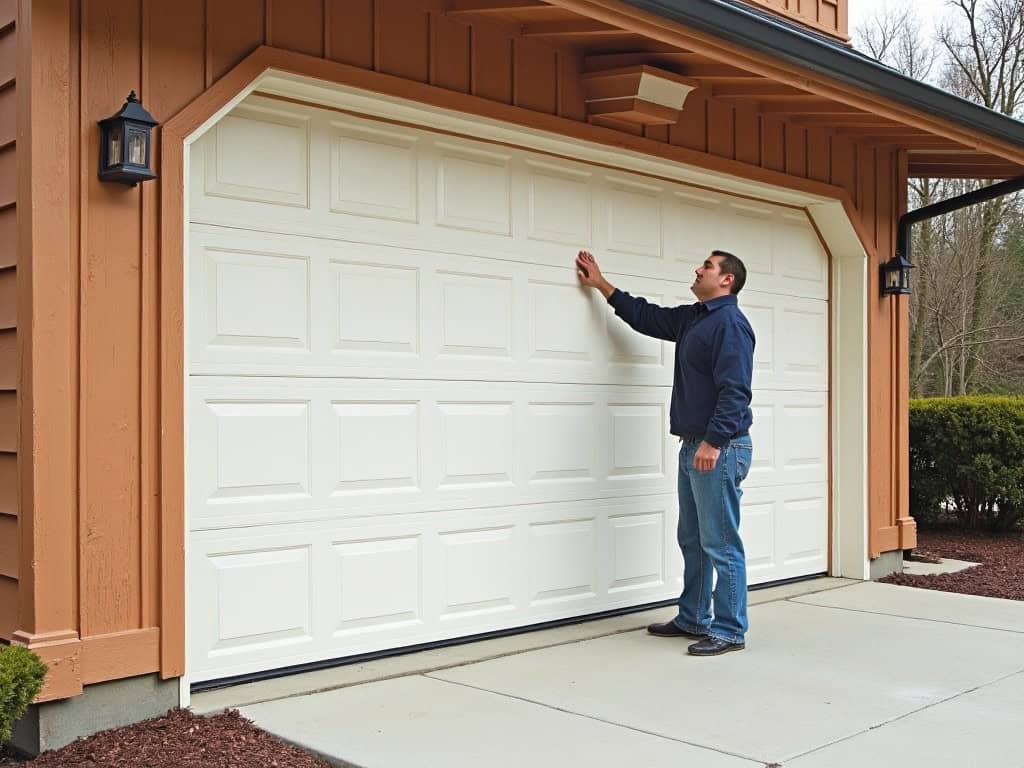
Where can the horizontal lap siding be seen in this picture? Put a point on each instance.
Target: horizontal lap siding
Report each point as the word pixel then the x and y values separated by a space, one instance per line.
pixel 8 484
pixel 8 606
pixel 9 546
pixel 8 13
pixel 8 422
pixel 198 41
pixel 9 541
pixel 8 127
pixel 8 46
pixel 8 237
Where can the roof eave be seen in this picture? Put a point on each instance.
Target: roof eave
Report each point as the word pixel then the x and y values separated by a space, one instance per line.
pixel 786 42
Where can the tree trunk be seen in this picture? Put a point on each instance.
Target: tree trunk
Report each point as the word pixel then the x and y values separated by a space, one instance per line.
pixel 991 214
pixel 923 257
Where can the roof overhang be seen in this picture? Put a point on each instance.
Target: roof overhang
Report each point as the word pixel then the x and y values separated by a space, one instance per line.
pixel 774 37
pixel 806 77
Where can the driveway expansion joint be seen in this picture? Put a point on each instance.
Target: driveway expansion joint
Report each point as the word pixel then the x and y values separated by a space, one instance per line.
pixel 905 715
pixel 797 601
pixel 596 719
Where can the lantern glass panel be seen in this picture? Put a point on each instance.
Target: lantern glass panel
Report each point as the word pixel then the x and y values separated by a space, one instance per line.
pixel 893 277
pixel 136 148
pixel 114 144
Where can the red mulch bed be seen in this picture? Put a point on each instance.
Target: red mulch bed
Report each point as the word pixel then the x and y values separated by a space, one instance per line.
pixel 179 740
pixel 1001 573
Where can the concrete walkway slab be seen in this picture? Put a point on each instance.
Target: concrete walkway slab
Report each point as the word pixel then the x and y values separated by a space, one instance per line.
pixel 809 676
pixel 980 728
pixel 872 597
pixel 416 721
pixel 947 565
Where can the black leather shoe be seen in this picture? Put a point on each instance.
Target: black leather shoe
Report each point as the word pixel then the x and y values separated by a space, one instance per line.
pixel 669 629
pixel 713 646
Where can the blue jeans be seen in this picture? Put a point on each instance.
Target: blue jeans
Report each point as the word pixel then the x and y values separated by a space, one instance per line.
pixel 709 537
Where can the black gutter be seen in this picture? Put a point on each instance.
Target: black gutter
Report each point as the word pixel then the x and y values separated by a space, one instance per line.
pixel 907 220
pixel 762 32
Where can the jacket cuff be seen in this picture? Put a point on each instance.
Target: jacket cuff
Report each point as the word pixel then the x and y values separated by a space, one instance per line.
pixel 716 440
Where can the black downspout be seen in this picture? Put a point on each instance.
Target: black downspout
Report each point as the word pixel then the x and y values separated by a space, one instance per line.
pixel 948 206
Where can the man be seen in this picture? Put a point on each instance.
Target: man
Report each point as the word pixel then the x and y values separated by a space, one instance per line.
pixel 711 415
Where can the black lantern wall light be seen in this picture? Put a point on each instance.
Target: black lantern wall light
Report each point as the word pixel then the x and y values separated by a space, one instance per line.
pixel 125 141
pixel 895 277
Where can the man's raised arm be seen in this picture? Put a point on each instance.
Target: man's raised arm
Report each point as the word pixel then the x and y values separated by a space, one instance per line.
pixel 641 315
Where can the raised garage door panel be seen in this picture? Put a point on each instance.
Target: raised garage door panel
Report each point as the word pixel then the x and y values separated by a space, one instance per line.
pixel 283 451
pixel 407 422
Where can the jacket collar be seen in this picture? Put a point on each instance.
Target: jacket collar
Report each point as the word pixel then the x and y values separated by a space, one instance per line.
pixel 721 301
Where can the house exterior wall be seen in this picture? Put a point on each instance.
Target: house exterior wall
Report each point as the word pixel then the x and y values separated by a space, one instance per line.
pixel 46 603
pixel 829 16
pixel 8 321
pixel 95 355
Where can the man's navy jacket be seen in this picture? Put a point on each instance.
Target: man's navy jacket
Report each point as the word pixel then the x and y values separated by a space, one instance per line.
pixel 714 362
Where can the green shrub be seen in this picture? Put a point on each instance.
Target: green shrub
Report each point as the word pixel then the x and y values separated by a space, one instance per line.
pixel 967 457
pixel 21 677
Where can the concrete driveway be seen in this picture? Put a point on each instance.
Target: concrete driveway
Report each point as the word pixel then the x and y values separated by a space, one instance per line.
pixel 835 674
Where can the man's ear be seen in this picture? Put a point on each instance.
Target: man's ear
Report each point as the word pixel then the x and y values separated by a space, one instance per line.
pixel 728 279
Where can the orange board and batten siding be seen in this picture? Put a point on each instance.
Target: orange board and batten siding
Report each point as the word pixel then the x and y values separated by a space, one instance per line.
pixel 109 486
pixel 828 16
pixel 9 533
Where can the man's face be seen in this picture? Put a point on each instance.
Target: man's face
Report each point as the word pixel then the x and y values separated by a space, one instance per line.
pixel 710 281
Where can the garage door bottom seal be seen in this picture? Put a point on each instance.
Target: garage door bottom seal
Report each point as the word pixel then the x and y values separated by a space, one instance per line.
pixel 313 666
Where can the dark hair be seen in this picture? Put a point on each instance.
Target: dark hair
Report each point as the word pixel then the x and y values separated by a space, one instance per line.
pixel 731 265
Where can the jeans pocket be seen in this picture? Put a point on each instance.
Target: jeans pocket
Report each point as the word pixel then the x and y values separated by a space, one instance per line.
pixel 744 453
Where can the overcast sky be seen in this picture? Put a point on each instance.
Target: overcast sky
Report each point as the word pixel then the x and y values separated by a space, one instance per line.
pixel 862 10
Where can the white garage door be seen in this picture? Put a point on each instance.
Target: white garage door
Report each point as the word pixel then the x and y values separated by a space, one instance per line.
pixel 406 421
